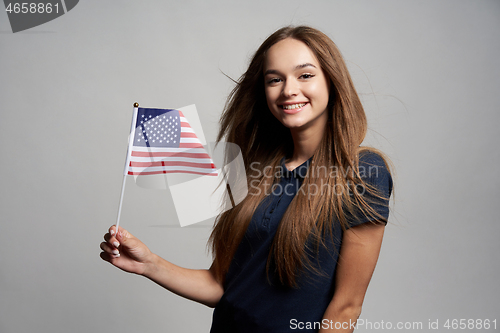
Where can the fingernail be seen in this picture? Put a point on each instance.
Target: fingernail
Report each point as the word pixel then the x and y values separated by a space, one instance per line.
pixel 116 244
pixel 115 251
pixel 116 255
pixel 112 232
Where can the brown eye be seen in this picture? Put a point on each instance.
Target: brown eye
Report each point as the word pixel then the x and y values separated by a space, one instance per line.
pixel 306 76
pixel 273 80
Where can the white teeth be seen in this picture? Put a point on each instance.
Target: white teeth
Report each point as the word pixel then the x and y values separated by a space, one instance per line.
pixel 293 106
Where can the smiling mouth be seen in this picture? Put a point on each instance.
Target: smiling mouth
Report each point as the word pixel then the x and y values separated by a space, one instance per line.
pixel 293 106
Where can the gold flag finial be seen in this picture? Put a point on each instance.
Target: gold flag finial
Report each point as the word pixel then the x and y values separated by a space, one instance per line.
pixel 136 105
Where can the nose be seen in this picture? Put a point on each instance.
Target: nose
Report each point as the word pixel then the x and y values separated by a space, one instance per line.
pixel 290 88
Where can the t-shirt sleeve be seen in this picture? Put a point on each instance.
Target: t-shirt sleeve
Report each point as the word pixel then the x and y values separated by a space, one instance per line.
pixel 376 190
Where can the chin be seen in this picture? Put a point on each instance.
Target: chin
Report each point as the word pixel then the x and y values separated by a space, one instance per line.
pixel 292 124
pixel 292 121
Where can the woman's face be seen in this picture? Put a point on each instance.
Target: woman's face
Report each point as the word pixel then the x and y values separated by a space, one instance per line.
pixel 297 90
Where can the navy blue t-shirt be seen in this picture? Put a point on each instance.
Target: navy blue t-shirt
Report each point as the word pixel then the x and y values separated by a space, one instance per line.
pixel 250 303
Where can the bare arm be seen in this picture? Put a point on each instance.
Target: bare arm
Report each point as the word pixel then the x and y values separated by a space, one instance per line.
pixel 198 285
pixel 358 256
pixel 131 255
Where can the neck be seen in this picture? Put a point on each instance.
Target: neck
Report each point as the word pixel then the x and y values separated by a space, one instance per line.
pixel 305 143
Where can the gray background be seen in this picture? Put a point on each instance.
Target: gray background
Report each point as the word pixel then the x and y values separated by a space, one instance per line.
pixel 428 73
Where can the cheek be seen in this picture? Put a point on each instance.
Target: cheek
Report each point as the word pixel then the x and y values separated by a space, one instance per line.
pixel 321 92
pixel 271 104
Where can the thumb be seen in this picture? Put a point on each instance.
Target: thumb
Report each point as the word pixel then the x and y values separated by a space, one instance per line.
pixel 132 246
pixel 124 237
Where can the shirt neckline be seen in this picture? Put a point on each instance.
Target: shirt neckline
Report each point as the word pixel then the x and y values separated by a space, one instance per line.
pixel 298 172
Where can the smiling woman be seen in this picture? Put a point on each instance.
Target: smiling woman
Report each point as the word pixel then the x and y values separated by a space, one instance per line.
pixel 297 90
pixel 305 254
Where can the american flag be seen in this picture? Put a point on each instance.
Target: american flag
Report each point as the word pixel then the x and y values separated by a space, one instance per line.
pixel 164 142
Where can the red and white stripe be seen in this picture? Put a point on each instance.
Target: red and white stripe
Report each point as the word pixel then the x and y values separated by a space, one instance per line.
pixel 190 157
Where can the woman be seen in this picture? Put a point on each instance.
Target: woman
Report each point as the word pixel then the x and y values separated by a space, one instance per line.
pixel 299 251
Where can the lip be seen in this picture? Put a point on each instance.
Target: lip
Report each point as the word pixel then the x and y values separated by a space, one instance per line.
pixel 293 111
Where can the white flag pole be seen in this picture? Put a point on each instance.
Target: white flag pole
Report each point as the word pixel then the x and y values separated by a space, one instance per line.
pixel 127 162
pixel 121 201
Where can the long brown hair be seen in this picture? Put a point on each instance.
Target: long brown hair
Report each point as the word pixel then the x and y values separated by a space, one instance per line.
pixel 264 141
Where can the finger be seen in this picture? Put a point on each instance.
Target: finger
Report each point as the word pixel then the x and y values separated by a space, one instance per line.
pixel 109 257
pixel 117 232
pixel 112 230
pixel 105 256
pixel 107 248
pixel 123 235
pixel 111 240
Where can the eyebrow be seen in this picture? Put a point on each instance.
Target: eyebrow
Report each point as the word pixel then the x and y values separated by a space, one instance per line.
pixel 273 71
